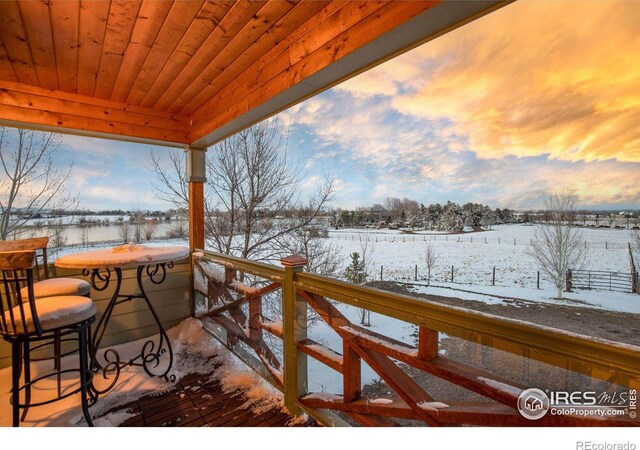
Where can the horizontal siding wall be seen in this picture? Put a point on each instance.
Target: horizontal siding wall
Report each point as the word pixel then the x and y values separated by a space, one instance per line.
pixel 132 320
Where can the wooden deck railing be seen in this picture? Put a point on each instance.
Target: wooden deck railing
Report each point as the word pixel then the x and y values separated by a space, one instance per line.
pixel 234 294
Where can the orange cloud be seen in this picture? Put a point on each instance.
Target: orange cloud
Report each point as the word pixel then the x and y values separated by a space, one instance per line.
pixel 557 78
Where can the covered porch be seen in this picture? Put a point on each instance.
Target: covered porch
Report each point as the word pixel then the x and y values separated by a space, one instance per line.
pixel 188 75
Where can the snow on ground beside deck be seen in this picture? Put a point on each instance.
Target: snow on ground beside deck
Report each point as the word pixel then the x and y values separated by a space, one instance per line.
pixel 195 351
pixel 612 301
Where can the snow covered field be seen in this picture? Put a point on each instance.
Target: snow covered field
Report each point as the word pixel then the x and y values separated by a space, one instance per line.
pixel 473 261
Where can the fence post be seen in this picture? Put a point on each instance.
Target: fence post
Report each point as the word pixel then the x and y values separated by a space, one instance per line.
pixel 416 274
pixel 569 280
pixel 294 310
pixel 606 245
pixel 538 281
pixel 493 281
pixel 452 274
pixel 381 272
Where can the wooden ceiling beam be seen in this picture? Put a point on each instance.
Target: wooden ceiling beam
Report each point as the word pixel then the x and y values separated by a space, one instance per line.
pixel 219 77
pixel 230 25
pixel 93 27
pixel 148 24
pixel 37 22
pixel 248 36
pixel 64 20
pixel 122 18
pixel 204 23
pixel 32 107
pixel 6 68
pixel 180 19
pixel 14 38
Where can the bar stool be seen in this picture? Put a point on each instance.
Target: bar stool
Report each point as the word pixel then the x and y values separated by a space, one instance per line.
pixel 47 287
pixel 27 320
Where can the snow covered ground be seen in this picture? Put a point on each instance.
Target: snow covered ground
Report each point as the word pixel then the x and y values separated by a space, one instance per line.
pixel 473 260
pixel 499 295
pixel 193 350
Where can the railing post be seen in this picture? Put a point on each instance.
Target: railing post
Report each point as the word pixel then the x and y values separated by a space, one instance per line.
pixel 294 317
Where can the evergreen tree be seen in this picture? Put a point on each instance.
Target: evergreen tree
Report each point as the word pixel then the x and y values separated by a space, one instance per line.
pixel 356 273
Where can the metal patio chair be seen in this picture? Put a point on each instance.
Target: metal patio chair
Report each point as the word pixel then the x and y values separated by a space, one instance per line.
pixel 25 320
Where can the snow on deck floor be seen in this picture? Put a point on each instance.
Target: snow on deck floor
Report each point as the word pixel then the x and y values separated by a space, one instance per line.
pixel 195 351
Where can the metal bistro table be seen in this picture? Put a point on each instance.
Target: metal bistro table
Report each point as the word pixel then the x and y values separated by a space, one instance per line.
pixel 102 265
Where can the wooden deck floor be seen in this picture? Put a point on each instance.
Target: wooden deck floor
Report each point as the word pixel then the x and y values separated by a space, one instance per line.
pixel 199 402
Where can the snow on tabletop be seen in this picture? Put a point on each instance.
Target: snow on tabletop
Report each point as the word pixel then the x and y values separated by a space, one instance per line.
pixel 432 406
pixel 122 256
pixel 195 351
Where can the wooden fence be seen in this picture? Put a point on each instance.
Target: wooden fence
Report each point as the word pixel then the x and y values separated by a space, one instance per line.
pixel 231 295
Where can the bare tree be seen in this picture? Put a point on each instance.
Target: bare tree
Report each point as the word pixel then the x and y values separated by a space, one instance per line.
pixel 149 229
pixel 179 228
pixel 322 254
pixel 252 198
pixel 57 237
pixel 170 184
pixel 430 259
pixel 558 246
pixel 137 220
pixel 125 231
pixel 32 183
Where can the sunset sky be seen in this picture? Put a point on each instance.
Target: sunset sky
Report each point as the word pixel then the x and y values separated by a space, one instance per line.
pixel 536 97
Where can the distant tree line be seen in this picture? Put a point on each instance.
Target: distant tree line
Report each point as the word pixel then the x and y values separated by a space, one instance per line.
pixel 406 213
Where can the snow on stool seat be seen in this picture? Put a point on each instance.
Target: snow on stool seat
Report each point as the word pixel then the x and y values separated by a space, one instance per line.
pixel 56 312
pixel 55 287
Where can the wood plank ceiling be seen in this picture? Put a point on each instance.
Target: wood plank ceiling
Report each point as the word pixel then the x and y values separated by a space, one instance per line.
pixel 193 72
